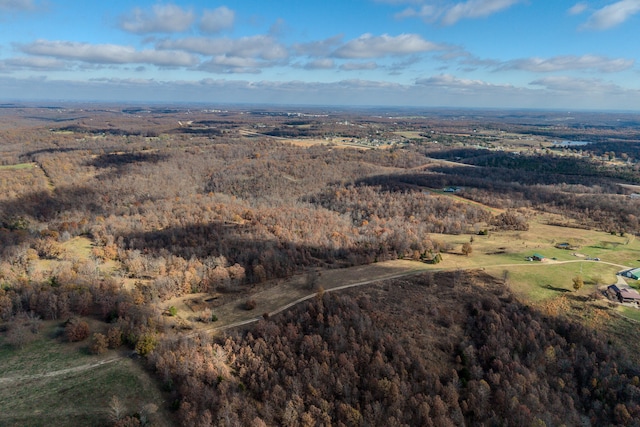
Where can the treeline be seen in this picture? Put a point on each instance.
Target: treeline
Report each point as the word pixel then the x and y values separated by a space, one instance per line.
pixel 435 351
pixel 577 188
pixel 437 214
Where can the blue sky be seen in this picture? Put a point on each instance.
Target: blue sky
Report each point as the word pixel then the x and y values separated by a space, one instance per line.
pixel 429 53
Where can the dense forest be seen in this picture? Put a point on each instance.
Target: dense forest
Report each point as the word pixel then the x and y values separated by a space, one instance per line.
pixel 473 355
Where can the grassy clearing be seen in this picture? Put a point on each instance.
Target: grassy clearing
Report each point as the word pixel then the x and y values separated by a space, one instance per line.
pixel 508 247
pixel 535 281
pixel 76 390
pixel 629 312
pixel 19 166
pixel 45 354
pixel 79 247
pixel 76 398
pixel 540 281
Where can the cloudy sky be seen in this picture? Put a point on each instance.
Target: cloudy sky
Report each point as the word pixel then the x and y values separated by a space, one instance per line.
pixel 476 53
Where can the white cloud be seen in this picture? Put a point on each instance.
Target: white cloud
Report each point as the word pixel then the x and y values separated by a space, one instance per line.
pixel 613 14
pixel 601 64
pixel 263 47
pixel 35 63
pixel 358 66
pixel 231 65
pixel 320 64
pixel 167 18
pixel 107 53
pixel 476 9
pixel 451 82
pixel 318 48
pixel 449 12
pixel 577 8
pixel 279 28
pixel 426 12
pixel 17 5
pixel 577 86
pixel 369 46
pixel 216 20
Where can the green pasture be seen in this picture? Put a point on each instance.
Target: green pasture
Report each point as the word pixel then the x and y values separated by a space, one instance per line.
pixel 18 166
pixel 629 312
pixel 540 281
pixel 54 383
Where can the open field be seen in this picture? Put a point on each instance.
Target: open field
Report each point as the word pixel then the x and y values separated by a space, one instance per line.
pixel 53 383
pixel 629 312
pixel 501 254
pixel 535 282
pixel 507 251
pixel 78 249
pixel 514 246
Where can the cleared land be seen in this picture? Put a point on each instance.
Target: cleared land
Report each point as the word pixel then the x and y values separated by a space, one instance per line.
pixel 18 166
pixel 501 254
pixel 52 383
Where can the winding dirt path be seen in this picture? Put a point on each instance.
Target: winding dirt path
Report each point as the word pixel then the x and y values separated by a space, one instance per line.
pixel 413 271
pixel 75 369
pixel 279 298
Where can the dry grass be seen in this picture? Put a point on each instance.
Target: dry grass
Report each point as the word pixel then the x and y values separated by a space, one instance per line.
pixel 282 293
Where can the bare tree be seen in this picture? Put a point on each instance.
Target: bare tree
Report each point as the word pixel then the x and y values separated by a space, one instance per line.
pixel 117 409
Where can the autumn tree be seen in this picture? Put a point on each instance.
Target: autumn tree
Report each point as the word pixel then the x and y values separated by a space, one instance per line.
pixel 19 334
pixel 99 343
pixel 467 248
pixel 76 330
pixel 578 283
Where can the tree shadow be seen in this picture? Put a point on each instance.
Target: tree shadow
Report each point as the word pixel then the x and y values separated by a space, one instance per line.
pixel 246 245
pixel 120 160
pixel 45 206
pixel 555 288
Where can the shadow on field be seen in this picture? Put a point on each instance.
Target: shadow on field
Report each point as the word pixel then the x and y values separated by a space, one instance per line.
pixel 555 288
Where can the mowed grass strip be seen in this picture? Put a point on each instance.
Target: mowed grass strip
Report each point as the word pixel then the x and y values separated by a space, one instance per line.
pixel 49 382
pixel 18 166
pixel 76 398
pixel 45 354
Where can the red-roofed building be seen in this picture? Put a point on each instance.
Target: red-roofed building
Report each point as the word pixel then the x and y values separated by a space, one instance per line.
pixel 625 294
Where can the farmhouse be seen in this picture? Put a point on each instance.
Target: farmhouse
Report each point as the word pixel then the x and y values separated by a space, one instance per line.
pixel 537 257
pixel 632 274
pixel 624 294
